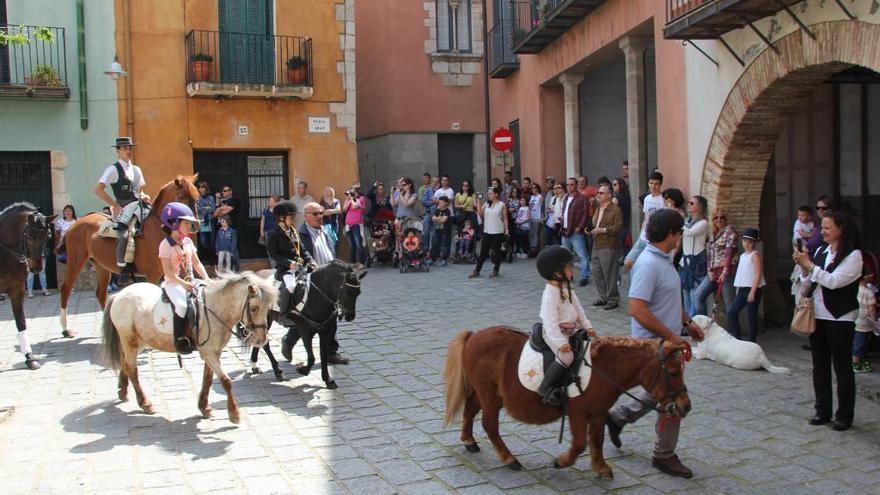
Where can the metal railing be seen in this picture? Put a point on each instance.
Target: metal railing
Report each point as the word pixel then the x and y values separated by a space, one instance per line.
pixel 530 15
pixel 37 63
pixel 241 58
pixel 501 46
pixel 679 8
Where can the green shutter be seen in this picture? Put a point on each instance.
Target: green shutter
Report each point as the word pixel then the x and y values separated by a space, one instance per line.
pixel 247 45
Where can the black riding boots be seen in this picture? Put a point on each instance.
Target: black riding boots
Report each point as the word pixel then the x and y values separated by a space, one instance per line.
pixel 284 300
pixel 551 391
pixel 182 344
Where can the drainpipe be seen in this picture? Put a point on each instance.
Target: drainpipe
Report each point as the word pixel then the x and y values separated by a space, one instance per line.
pixel 126 42
pixel 486 91
pixel 81 56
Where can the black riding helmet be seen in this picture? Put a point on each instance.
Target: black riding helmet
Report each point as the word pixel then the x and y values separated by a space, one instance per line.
pixel 552 260
pixel 283 209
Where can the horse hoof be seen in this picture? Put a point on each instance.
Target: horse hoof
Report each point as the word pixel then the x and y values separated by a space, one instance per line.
pixel 304 370
pixel 255 370
pixel 68 334
pixel 234 418
pixel 515 465
pixel 559 464
pixel 33 364
pixel 472 448
pixel 206 413
pixel 148 408
pixel 331 385
pixel 279 375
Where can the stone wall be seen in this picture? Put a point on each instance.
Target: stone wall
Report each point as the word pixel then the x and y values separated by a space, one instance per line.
pixel 459 68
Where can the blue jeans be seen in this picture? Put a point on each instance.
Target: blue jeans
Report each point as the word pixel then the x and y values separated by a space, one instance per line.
pixel 690 297
pixel 578 244
pixel 739 301
pixel 30 280
pixel 427 229
pixel 355 241
pixel 708 286
pixel 860 345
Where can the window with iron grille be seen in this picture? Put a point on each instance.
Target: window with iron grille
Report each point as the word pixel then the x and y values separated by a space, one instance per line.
pixel 454 26
pixel 265 176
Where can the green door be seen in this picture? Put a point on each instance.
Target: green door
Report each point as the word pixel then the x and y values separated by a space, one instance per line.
pixel 247 44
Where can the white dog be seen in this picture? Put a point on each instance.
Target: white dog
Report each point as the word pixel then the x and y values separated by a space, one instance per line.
pixel 721 347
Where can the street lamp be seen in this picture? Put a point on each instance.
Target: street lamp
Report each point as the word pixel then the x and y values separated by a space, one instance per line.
pixel 115 71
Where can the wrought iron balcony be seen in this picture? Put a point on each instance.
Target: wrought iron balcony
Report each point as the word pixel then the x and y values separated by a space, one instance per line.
pixel 230 64
pixel 537 23
pixel 36 69
pixel 709 19
pixel 502 60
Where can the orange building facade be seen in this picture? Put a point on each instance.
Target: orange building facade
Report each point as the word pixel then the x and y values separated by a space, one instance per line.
pixel 256 94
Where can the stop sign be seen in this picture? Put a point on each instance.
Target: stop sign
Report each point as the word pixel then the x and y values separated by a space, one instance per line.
pixel 502 139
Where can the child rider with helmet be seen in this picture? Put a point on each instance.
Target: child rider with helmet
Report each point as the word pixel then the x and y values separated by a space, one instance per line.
pixel 180 262
pixel 561 315
pixel 284 248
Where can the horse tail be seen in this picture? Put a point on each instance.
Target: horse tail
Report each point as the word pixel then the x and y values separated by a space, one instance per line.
pixel 111 344
pixel 765 363
pixel 457 387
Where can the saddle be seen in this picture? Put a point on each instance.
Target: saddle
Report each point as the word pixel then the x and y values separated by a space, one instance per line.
pixel 193 315
pixel 579 344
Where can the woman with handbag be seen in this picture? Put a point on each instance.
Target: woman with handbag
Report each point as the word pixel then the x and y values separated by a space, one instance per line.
pixel 693 246
pixel 831 281
pixel 720 263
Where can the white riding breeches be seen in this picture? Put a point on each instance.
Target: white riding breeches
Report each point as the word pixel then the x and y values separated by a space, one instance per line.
pixel 135 209
pixel 289 282
pixel 177 295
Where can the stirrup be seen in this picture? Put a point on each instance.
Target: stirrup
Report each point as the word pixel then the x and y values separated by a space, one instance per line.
pixel 182 345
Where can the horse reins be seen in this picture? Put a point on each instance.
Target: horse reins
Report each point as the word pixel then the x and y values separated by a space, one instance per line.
pixel 22 257
pixel 338 308
pixel 250 326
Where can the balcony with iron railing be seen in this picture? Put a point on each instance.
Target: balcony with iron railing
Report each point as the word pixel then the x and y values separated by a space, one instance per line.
pixel 226 64
pixel 709 19
pixel 502 60
pixel 36 68
pixel 537 23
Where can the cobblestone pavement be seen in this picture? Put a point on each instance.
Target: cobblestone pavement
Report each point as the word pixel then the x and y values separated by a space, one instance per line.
pixel 381 431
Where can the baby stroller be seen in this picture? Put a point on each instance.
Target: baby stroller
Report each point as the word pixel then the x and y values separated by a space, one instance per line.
pixel 381 240
pixel 412 259
pixel 469 256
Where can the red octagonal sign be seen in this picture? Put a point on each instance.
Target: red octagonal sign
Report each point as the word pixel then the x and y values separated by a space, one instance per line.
pixel 502 139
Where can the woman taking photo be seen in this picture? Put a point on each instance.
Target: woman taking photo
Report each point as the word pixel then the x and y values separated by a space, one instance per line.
pixel 354 207
pixel 693 248
pixel 833 279
pixel 403 199
pixel 494 214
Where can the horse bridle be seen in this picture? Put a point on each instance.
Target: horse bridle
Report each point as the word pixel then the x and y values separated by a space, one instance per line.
pixel 22 256
pixel 339 309
pixel 243 328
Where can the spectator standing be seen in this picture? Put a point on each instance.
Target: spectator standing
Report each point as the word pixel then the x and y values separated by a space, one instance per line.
pixel 42 276
pixel 300 199
pixel 379 201
pixel 426 197
pixel 64 222
pixel 607 224
pixel 332 210
pixel 620 193
pixel 521 232
pixel 748 284
pixel 549 184
pixel 494 214
pixel 720 263
pixel 693 264
pixel 354 207
pixel 508 186
pixel 864 324
pixel 442 224
pixel 553 224
pixel 465 204
pixel 536 210
pixel 833 278
pixel 268 222
pixel 404 199
pixel 513 204
pixel 229 206
pixel 657 313
pixel 824 208
pixel 449 194
pixel 526 187
pixel 205 210
pixel 226 246
pixel 624 170
pixel 576 217
pixel 652 203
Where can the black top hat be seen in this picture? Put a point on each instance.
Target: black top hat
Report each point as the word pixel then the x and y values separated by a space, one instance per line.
pixel 123 141
pixel 751 233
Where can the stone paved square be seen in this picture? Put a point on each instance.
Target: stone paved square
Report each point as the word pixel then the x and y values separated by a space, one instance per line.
pixel 381 431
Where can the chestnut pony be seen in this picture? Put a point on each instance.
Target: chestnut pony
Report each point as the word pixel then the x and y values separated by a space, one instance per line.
pixel 481 374
pixel 82 243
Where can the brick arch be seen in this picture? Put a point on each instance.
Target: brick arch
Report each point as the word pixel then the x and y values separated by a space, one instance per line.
pixel 771 87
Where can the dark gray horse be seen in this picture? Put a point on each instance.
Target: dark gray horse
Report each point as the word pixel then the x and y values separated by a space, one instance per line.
pixel 333 295
pixel 24 235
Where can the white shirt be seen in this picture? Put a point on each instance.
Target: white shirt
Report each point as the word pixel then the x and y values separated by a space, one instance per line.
pixel 492 222
pixel 300 202
pixel 64 225
pixel 567 200
pixel 745 272
pixel 652 205
pixel 446 193
pixel 132 171
pixel 536 203
pixel 555 311
pixel 323 253
pixel 695 237
pixel 847 272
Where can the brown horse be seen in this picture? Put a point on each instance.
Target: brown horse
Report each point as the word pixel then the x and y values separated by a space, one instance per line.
pixel 481 373
pixel 82 243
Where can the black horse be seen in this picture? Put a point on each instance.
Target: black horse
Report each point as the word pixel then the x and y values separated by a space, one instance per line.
pixel 24 235
pixel 333 295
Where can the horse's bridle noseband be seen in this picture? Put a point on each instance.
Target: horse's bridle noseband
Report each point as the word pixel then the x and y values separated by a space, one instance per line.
pixel 22 255
pixel 240 329
pixel 671 393
pixel 339 309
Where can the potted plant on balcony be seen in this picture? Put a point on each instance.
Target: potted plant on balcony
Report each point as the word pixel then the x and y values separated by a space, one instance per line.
pixel 298 70
pixel 44 76
pixel 202 66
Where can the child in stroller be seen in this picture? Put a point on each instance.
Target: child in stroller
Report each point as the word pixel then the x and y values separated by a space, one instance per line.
pixel 413 252
pixel 464 244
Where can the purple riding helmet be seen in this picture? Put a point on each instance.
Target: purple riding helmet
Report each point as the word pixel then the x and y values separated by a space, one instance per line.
pixel 173 212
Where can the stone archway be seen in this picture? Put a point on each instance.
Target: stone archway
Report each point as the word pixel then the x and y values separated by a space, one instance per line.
pixel 772 86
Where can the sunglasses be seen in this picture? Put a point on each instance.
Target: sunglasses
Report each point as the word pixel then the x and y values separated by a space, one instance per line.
pixel 314 213
pixel 822 208
pixel 719 218
pixel 227 190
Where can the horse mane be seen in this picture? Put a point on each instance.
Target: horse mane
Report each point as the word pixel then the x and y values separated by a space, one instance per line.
pixel 19 206
pixel 266 289
pixel 621 344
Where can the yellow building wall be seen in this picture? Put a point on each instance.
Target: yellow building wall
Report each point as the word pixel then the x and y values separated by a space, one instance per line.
pixel 169 125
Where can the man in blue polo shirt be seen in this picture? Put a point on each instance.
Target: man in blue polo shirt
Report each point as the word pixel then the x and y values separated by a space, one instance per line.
pixel 656 309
